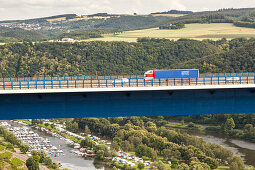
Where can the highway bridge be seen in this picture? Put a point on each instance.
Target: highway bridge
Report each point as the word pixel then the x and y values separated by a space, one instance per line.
pixel 106 96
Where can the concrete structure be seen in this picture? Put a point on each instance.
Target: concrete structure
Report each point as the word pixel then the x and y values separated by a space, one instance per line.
pixel 127 101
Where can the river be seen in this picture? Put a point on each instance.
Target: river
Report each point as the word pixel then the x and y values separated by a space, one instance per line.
pixel 70 160
pixel 239 147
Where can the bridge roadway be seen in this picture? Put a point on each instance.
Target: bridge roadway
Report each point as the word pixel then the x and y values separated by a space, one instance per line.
pixel 133 82
pixel 104 98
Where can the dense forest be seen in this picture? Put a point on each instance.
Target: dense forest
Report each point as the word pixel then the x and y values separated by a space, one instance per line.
pixel 87 58
pixel 111 58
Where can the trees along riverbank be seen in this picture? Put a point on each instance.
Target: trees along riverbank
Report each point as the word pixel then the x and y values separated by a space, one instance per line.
pixel 241 126
pixel 159 144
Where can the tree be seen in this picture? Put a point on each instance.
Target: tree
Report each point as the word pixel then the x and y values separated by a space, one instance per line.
pixel 36 121
pixel 140 150
pixel 114 168
pixel 140 166
pixel 87 130
pixel 72 126
pixel 32 163
pixel 151 127
pixel 87 142
pixel 236 163
pixel 158 165
pixel 100 155
pixel 10 147
pixel 24 148
pixel 169 153
pixel 127 146
pixel 229 126
pixel 183 166
pixel 151 153
pixel 191 125
pixel 117 140
pixel 182 121
pixel 174 163
pixel 115 146
pixel 194 165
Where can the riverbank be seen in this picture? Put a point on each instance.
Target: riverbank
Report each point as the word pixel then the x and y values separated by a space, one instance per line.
pixel 213 134
pixel 234 133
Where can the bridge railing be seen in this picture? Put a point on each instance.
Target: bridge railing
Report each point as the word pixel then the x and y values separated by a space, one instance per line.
pixel 132 82
pixel 112 77
pixel 248 74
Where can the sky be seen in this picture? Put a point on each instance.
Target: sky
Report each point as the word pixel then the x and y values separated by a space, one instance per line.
pixel 26 9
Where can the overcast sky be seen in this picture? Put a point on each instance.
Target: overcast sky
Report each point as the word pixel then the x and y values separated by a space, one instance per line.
pixel 24 9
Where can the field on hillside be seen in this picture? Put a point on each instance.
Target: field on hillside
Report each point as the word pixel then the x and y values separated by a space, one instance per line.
pixel 194 31
pixel 168 15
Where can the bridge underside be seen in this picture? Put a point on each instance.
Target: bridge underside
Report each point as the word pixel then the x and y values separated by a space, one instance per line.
pixel 131 103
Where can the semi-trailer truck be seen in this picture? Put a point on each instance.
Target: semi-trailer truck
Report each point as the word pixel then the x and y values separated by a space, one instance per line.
pixel 171 74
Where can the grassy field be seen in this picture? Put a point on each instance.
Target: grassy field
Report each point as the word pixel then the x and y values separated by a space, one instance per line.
pixel 194 31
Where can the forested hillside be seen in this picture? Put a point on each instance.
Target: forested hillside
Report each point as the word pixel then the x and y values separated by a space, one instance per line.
pixel 103 58
pixel 111 58
pixel 21 35
pixel 238 56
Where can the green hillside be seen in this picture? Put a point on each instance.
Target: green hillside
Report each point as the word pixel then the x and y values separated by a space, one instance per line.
pixel 21 35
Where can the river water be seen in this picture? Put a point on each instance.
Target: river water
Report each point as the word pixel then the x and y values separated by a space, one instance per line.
pixel 70 160
pixel 239 147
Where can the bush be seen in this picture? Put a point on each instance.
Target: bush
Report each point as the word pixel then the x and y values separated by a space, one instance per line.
pixel 10 147
pixel 24 148
pixel 16 162
pixel 2 147
pixel 191 125
pixel 6 155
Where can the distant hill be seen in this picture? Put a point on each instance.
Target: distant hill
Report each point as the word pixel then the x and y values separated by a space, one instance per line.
pixel 174 12
pixel 43 19
pixel 23 35
pixel 54 26
pixel 131 22
pixel 230 12
pixel 4 29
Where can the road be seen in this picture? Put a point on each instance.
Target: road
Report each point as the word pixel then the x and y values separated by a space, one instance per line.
pixel 24 158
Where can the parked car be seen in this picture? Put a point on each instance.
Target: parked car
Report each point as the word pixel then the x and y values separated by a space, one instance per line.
pixel 233 78
pixel 119 81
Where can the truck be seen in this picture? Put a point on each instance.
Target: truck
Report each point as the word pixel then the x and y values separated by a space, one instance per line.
pixel 171 74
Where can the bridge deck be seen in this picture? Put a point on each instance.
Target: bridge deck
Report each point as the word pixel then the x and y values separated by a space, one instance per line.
pixel 111 77
pixel 134 84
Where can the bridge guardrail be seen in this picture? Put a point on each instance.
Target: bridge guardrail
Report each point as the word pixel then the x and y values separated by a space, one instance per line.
pixel 112 77
pixel 133 82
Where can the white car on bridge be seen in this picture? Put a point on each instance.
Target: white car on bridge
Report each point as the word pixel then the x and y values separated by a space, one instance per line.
pixel 120 81
pixel 233 78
